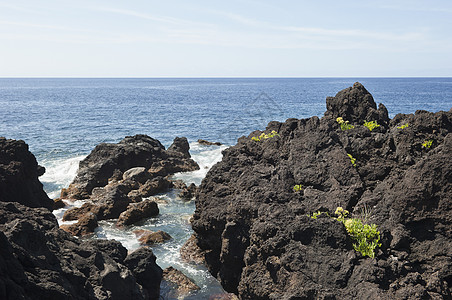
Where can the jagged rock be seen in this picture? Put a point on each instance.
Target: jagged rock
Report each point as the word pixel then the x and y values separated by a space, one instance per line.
pixel 188 193
pixel 190 251
pixel 207 143
pixel 75 213
pixel 85 225
pixel 260 244
pixel 180 144
pixel 148 274
pixel 58 203
pixel 154 186
pixel 181 283
pixel 137 174
pixel 40 261
pixel 148 237
pixel 137 212
pixel 356 104
pixel 19 173
pixel 107 160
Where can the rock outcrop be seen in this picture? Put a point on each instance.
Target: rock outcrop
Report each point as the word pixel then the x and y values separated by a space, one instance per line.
pixel 19 173
pixel 114 176
pixel 107 161
pixel 137 212
pixel 38 260
pixel 259 241
pixel 181 284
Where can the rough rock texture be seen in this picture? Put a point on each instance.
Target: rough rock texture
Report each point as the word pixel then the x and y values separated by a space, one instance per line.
pixel 84 226
pixel 107 161
pixel 148 237
pixel 207 143
pixel 261 244
pixel 190 251
pixel 188 192
pixel 137 212
pixel 40 261
pixel 19 173
pixel 180 282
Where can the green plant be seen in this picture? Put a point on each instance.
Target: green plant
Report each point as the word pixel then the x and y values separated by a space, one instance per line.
pixel 404 126
pixel 298 187
pixel 315 214
pixel 352 160
pixel 344 124
pixel 371 125
pixel 427 144
pixel 366 237
pixel 265 136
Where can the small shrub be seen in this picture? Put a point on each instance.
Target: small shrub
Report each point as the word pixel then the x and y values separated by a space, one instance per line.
pixel 366 237
pixel 427 144
pixel 344 124
pixel 352 160
pixel 264 136
pixel 371 125
pixel 298 188
pixel 404 126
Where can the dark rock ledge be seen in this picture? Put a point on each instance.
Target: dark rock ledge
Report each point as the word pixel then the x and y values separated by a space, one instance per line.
pixel 259 242
pixel 40 261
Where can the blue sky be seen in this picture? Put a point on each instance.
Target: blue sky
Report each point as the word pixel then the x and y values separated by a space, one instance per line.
pixel 97 38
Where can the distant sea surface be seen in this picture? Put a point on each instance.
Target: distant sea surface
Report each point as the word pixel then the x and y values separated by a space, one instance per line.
pixel 64 119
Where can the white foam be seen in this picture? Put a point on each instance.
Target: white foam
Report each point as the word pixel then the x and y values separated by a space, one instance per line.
pixel 206 157
pixel 59 174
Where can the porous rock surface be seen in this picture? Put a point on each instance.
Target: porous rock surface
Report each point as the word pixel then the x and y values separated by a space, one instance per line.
pixel 108 161
pixel 19 173
pixel 260 243
pixel 38 260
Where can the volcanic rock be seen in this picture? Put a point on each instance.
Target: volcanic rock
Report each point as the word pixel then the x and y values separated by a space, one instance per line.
pixel 180 282
pixel 19 173
pixel 40 261
pixel 207 143
pixel 180 144
pixel 85 225
pixel 148 237
pixel 137 212
pixel 133 151
pixel 260 243
pixel 191 252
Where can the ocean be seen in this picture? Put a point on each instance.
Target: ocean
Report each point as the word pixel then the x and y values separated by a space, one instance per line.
pixel 62 120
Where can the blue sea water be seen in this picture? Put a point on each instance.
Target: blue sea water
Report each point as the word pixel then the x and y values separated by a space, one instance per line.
pixel 63 119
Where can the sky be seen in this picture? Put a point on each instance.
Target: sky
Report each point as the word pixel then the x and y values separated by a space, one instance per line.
pixel 245 38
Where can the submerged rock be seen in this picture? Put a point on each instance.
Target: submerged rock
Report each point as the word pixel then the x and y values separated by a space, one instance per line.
pixel 180 282
pixel 207 143
pixel 260 243
pixel 19 173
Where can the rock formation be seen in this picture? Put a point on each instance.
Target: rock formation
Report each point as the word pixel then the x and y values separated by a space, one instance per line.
pixel 106 161
pixel 38 260
pixel 19 173
pixel 260 242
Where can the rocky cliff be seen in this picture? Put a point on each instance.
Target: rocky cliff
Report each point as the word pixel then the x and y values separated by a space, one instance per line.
pixel 256 231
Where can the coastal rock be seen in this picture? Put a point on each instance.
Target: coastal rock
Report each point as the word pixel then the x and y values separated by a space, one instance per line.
pixel 154 186
pixel 260 243
pixel 180 144
pixel 137 174
pixel 137 212
pixel 207 143
pixel 106 162
pixel 19 173
pixel 180 282
pixel 147 273
pixel 188 192
pixel 191 252
pixel 40 261
pixel 85 225
pixel 148 237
